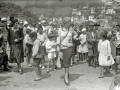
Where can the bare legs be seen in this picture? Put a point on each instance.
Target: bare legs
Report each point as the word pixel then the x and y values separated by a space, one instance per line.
pixel 48 64
pixel 66 78
pixel 38 72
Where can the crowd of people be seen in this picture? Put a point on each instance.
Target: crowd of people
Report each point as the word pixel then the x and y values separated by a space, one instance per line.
pixel 60 42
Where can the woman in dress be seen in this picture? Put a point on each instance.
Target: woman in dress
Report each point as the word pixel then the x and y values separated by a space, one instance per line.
pixel 65 40
pixel 83 48
pixel 16 43
pixel 105 58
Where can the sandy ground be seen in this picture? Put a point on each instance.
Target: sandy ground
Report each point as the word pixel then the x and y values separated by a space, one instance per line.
pixel 82 77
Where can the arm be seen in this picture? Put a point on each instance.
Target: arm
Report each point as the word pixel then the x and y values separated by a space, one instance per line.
pixel 35 49
pixel 88 39
pixel 74 34
pixel 109 48
pixel 99 45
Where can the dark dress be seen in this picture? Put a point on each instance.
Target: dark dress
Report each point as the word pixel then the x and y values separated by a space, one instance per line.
pixel 16 48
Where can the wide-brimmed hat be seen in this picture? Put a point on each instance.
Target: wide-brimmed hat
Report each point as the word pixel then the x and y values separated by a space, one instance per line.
pixel 4 19
pixel 14 20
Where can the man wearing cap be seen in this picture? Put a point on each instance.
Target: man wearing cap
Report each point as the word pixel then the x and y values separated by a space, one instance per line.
pixel 92 45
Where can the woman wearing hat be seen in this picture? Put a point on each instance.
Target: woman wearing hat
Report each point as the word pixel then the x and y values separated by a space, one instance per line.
pixel 65 40
pixel 16 44
pixel 83 48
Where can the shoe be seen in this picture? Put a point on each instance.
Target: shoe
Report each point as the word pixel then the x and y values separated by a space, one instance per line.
pixel 47 71
pixel 67 83
pixel 21 72
pixel 53 69
pixel 29 65
pixel 38 79
pixel 101 76
pixel 78 60
pixel 6 69
pixel 56 67
pixel 43 67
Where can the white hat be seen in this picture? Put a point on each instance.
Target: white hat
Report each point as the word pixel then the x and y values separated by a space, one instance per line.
pixel 25 22
pixel 3 19
pixel 43 21
pixel 84 29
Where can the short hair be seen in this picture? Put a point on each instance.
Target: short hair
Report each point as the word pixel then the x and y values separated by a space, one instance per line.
pixel 28 30
pixel 33 34
pixel 104 34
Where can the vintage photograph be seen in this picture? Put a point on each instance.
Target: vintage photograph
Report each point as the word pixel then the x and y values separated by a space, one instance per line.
pixel 59 44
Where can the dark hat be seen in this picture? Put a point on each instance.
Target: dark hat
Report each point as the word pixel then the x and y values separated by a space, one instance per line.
pixel 50 35
pixel 11 16
pixel 2 25
pixel 33 34
pixel 118 25
pixel 14 20
pixel 96 25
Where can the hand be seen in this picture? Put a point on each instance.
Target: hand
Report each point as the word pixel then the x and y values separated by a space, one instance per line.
pixel 16 40
pixel 76 39
pixel 108 58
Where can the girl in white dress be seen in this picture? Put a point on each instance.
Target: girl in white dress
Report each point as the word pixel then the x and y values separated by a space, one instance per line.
pixel 105 58
pixel 83 48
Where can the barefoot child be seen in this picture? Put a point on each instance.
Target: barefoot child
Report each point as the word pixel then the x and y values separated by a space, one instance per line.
pixel 36 55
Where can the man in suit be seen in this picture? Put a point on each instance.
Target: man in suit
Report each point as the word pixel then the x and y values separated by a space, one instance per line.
pixel 92 46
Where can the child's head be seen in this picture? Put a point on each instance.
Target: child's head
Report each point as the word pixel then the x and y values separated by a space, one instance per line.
pixel 40 28
pixel 33 36
pixel 28 31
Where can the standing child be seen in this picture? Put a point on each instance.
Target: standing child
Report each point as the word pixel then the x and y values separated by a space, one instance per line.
pixel 51 50
pixel 83 48
pixel 36 55
pixel 28 47
pixel 42 37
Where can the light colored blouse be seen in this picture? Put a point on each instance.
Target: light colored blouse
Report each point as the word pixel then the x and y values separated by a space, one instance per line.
pixel 65 38
pixel 50 46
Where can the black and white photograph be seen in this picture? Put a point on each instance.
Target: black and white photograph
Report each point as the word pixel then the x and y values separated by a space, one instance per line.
pixel 59 44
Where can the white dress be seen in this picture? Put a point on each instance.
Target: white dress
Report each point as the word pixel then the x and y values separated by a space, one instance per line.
pixel 83 48
pixel 105 51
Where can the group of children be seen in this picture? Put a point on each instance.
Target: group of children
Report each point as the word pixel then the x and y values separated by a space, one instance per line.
pixel 37 45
